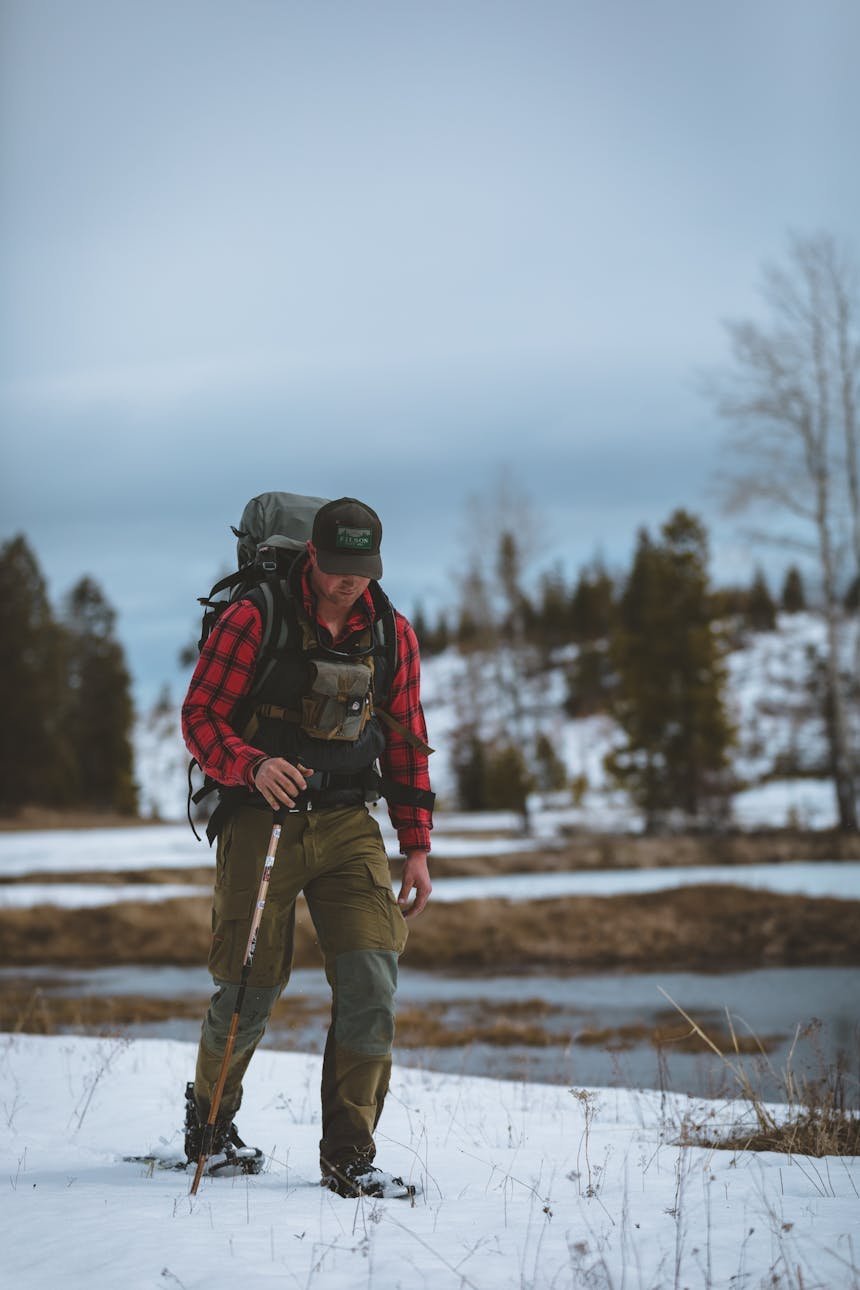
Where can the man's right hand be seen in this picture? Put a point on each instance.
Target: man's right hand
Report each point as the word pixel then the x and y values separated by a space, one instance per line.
pixel 280 782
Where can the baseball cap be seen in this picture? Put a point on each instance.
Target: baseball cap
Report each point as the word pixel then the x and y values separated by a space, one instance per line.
pixel 347 536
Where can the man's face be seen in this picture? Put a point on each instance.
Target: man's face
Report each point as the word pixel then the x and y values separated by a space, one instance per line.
pixel 341 589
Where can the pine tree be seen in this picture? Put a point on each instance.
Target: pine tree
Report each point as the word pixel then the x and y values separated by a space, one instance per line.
pixel 419 626
pixel 590 681
pixel 441 634
pixel 469 762
pixel 793 598
pixel 550 771
pixel 35 763
pixel 760 610
pixel 591 605
pixel 552 620
pixel 668 699
pixel 508 780
pixel 99 713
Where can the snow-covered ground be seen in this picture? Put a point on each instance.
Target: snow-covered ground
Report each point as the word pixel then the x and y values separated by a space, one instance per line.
pixel 521 1185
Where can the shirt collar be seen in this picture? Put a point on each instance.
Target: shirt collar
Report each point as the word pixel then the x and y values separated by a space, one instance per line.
pixel 362 611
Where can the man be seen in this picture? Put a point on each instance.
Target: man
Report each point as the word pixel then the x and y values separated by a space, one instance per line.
pixel 341 695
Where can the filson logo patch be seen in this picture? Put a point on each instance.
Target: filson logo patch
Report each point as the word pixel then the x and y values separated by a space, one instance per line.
pixel 353 539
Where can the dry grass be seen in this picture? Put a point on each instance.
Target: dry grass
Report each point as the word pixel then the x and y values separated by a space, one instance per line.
pixel 820 1115
pixel 34 1012
pixel 706 928
pixel 668 1032
pixel 717 928
pixel 632 851
pixel 27 818
pixel 203 876
pixel 439 1025
pixel 433 1025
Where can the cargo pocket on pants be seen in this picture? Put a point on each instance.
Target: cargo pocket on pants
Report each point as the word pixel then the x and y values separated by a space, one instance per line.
pixel 393 921
pixel 231 923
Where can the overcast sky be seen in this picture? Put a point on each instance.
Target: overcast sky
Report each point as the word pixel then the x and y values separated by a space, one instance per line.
pixel 388 250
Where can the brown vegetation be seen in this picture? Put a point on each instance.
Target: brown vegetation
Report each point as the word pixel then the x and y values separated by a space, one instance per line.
pixel 591 851
pixel 819 1115
pixel 714 928
pixel 302 1022
pixel 711 928
pixel 45 817
pixel 666 1031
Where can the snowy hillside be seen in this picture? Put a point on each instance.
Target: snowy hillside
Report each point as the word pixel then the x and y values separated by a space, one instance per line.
pixel 780 752
pixel 520 1185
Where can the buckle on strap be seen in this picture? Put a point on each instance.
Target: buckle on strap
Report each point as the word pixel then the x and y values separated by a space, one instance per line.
pixel 301 807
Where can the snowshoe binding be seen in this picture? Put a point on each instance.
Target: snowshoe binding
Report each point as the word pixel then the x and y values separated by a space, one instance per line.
pixel 228 1154
pixel 360 1177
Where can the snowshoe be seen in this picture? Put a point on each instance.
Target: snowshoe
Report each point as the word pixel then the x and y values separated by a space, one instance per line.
pixel 228 1154
pixel 360 1177
pixel 154 1162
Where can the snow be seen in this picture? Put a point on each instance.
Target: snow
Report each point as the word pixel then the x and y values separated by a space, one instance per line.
pixel 101 850
pixel 796 803
pixel 522 1185
pixel 837 879
pixel 89 895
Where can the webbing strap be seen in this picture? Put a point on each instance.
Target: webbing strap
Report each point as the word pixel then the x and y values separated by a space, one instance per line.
pixel 405 795
pixel 286 714
pixel 411 738
pixel 278 714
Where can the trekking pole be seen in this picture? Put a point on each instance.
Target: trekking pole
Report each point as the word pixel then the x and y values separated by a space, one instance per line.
pixel 209 1130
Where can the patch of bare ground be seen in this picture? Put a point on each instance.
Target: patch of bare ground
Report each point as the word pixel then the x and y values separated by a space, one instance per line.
pixel 202 876
pixel 527 1023
pixel 707 928
pixel 28 818
pixel 36 1011
pixel 633 851
pixel 432 1025
pixel 175 932
pixel 666 1031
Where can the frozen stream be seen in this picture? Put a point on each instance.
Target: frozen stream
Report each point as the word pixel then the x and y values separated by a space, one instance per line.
pixel 768 1002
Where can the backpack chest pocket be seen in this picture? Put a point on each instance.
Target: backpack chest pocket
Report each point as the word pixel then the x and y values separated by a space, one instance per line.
pixel 339 702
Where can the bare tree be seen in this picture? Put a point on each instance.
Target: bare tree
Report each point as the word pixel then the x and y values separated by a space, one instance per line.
pixel 790 396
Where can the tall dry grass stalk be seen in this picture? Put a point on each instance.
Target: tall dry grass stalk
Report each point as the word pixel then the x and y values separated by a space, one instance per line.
pixel 820 1115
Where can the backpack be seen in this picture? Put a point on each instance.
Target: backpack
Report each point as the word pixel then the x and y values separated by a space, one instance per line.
pixel 272 533
pixel 273 530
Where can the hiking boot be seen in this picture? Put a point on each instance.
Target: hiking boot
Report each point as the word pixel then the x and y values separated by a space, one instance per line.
pixel 360 1177
pixel 228 1153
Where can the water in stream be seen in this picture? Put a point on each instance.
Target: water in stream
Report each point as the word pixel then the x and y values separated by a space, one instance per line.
pixel 592 1030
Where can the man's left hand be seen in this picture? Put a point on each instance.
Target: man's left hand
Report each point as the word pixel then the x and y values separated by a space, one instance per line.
pixel 415 877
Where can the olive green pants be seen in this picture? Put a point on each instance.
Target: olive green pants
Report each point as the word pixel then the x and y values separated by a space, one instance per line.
pixel 337 858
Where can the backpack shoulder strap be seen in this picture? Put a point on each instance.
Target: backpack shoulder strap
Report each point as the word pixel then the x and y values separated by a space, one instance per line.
pixel 405 733
pixel 384 628
pixel 277 610
pixel 385 635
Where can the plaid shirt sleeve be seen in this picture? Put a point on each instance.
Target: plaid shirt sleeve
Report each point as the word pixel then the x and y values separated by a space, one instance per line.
pixel 400 761
pixel 221 679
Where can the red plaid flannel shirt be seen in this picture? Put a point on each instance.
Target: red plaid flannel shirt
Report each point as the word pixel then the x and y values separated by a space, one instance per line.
pixel 224 674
